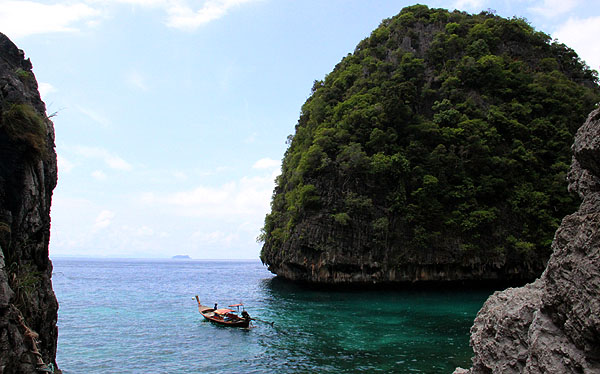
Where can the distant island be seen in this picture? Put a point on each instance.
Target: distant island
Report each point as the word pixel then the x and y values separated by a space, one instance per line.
pixel 181 257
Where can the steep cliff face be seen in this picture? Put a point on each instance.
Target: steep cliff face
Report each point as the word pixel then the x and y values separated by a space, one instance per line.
pixel 437 151
pixel 28 174
pixel 553 324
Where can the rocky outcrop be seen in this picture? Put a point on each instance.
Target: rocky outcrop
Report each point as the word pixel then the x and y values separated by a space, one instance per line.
pixel 553 324
pixel 28 174
pixel 436 152
pixel 325 253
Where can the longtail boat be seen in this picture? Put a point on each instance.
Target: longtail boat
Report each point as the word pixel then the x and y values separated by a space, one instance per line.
pixel 224 316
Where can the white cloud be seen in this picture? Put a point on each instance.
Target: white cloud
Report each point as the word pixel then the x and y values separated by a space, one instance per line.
pixel 215 237
pixel 45 89
pixel 99 175
pixel 143 3
pixel 553 8
pixel 141 231
pixel 72 220
pixel 70 16
pixel 472 5
pixel 144 231
pixel 23 18
pixel 117 163
pixel 251 138
pixel 81 227
pixel 111 160
pixel 179 176
pixel 200 221
pixel 64 165
pixel 266 163
pixel 248 198
pixel 95 116
pixel 229 216
pixel 137 80
pixel 182 16
pixel 582 35
pixel 103 219
pixel 201 196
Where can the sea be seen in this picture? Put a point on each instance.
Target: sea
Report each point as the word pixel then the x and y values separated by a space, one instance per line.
pixel 141 316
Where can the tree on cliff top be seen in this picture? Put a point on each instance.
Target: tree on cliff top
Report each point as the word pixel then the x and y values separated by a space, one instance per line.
pixel 443 132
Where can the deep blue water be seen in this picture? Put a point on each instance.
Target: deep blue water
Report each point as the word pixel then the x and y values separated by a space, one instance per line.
pixel 140 316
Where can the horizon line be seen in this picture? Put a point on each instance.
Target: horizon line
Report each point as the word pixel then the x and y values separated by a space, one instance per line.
pixel 91 257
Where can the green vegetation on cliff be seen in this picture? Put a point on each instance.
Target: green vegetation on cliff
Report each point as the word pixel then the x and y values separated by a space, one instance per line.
pixel 23 124
pixel 444 135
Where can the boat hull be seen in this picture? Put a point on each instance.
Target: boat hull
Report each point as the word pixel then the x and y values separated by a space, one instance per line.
pixel 227 319
pixel 233 323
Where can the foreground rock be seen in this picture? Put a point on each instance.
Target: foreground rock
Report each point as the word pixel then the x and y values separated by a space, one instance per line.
pixel 28 307
pixel 553 324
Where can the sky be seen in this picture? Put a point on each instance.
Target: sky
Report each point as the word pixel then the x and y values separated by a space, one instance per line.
pixel 171 116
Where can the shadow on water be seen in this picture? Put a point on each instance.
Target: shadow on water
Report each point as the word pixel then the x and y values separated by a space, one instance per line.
pixel 338 330
pixel 489 286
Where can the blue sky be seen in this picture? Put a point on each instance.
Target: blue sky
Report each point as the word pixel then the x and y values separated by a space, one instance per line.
pixel 172 115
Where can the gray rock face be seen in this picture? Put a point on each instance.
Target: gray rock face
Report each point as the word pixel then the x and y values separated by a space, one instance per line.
pixel 28 307
pixel 553 324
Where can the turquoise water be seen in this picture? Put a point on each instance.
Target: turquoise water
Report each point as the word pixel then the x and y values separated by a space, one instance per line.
pixel 140 316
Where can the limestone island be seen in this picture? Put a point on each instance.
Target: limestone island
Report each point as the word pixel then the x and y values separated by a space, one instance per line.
pixel 436 152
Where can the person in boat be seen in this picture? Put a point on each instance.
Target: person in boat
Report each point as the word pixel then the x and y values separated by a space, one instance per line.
pixel 216 306
pixel 245 315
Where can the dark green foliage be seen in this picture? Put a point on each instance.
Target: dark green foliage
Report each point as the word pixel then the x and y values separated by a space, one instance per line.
pixel 22 123
pixel 442 131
